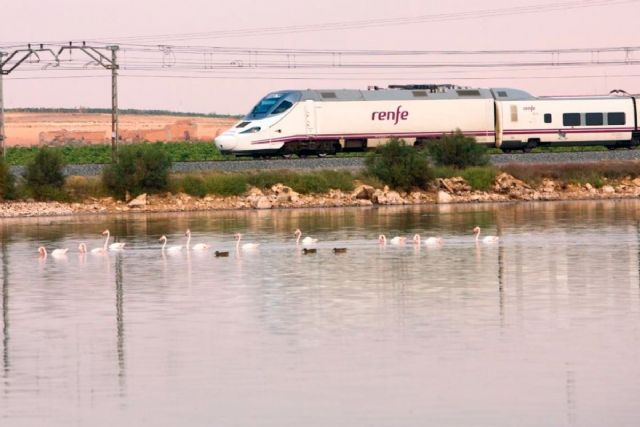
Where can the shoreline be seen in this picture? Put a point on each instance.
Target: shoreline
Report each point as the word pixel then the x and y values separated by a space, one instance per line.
pixel 506 189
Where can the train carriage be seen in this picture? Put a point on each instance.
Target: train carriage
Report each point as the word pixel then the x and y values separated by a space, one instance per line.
pixel 329 121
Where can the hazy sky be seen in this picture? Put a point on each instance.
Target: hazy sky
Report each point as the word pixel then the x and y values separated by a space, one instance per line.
pixel 468 25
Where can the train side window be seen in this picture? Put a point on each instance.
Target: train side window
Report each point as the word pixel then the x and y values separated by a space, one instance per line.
pixel 571 119
pixel 616 119
pixel 547 118
pixel 514 113
pixel 284 106
pixel 594 119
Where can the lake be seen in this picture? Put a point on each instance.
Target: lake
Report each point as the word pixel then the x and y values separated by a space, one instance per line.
pixel 539 329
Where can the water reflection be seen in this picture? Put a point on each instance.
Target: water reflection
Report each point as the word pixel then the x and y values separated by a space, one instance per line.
pixel 457 333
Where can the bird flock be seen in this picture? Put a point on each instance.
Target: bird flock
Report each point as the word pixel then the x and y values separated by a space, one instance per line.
pixel 250 246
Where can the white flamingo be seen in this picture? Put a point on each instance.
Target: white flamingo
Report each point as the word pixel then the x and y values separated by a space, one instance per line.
pixel 245 246
pixel 429 241
pixel 485 239
pixel 397 240
pixel 82 248
pixel 171 249
pixel 56 253
pixel 306 241
pixel 118 246
pixel 197 246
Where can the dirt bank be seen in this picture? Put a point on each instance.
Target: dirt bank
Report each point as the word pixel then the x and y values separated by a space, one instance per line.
pixel 452 190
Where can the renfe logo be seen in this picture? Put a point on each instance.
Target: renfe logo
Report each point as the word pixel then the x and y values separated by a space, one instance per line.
pixel 396 116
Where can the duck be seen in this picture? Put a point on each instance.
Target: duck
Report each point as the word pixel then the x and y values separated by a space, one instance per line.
pixel 306 241
pixel 219 254
pixel 309 251
pixel 197 246
pixel 485 239
pixel 339 250
pixel 171 249
pixel 245 246
pixel 117 246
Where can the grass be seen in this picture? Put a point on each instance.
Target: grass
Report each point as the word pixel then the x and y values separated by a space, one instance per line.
pixel 595 173
pixel 478 177
pixel 235 184
pixel 101 153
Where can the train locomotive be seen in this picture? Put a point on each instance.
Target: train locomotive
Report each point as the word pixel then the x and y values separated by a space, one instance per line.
pixel 320 122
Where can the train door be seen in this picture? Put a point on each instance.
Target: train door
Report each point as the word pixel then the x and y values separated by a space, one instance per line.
pixel 310 118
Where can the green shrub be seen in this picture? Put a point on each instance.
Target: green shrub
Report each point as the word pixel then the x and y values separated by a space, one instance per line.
pixel 457 150
pixel 194 186
pixel 226 184
pixel 44 179
pixel 480 177
pixel 399 165
pixel 140 168
pixel 7 182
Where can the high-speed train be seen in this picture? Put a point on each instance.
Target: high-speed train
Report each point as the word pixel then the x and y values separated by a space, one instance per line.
pixel 307 122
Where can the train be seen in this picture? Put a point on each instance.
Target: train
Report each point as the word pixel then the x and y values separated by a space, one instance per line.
pixel 322 122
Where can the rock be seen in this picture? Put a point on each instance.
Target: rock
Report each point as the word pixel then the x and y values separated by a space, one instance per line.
pixel 264 203
pixel 636 182
pixel 254 191
pixel 394 198
pixel 138 202
pixel 379 197
pixel 363 192
pixel 364 202
pixel 454 185
pixel 588 187
pixel 444 197
pixel 607 189
pixel 506 183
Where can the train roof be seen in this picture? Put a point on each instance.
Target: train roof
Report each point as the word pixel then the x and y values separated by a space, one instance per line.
pixel 413 92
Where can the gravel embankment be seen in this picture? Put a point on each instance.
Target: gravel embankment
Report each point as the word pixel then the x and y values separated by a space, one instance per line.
pixel 355 163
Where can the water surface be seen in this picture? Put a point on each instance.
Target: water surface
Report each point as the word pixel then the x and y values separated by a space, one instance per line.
pixel 540 329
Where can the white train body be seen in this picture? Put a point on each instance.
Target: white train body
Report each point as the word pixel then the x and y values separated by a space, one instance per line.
pixel 325 121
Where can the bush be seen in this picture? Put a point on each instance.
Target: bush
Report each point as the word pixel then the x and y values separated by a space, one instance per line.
pixel 44 179
pixel 458 151
pixel 399 165
pixel 480 177
pixel 7 182
pixel 194 186
pixel 226 184
pixel 140 168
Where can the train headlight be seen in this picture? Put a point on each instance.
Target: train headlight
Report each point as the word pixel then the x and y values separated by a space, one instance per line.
pixel 251 130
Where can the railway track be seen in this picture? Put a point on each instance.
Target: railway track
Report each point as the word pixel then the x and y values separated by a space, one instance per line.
pixel 356 163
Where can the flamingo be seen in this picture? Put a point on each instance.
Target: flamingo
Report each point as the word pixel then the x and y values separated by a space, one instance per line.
pixel 429 241
pixel 114 246
pixel 397 240
pixel 56 253
pixel 306 241
pixel 245 246
pixel 197 246
pixel 171 249
pixel 485 239
pixel 82 248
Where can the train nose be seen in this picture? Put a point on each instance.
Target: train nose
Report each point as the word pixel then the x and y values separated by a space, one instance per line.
pixel 225 143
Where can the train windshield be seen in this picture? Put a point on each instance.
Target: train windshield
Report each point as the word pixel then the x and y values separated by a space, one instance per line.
pixel 274 103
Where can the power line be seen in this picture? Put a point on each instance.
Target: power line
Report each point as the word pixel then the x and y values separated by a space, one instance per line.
pixel 384 22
